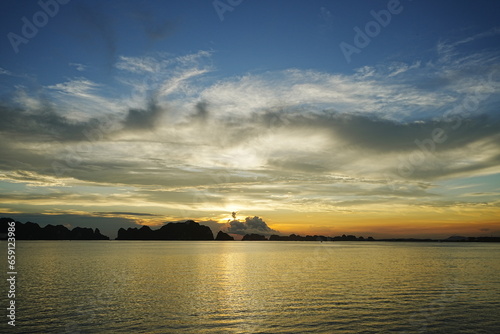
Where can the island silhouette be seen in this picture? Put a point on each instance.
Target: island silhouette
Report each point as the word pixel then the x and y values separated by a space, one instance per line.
pixel 223 236
pixel 187 230
pixel 33 231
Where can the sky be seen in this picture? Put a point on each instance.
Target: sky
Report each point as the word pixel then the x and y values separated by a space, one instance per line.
pixel 373 118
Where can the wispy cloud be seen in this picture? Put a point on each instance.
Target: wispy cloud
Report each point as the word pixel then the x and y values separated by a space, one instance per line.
pixel 79 87
pixel 447 49
pixel 140 64
pixel 34 179
pixel 82 99
pixel 5 72
pixel 79 67
pixel 398 68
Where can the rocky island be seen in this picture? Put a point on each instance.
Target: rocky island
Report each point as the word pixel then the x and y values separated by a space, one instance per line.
pixel 188 230
pixel 33 231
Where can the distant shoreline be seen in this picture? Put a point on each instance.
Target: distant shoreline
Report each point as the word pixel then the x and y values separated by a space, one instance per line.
pixel 189 231
pixel 2 238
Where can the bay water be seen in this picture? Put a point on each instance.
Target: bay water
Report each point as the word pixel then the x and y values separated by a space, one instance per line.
pixel 256 287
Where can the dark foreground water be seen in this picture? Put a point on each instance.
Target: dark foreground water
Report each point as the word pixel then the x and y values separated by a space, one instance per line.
pixel 256 287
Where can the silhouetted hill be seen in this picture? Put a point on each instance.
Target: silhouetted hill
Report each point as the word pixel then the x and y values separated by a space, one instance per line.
pixel 295 237
pixel 407 240
pixel 188 230
pixel 223 236
pixel 472 239
pixel 143 233
pixel 455 238
pixel 33 231
pixel 253 237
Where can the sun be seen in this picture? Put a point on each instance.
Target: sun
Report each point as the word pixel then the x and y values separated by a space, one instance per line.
pixel 225 219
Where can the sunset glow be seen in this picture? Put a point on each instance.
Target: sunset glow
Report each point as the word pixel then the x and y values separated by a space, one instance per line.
pixel 132 121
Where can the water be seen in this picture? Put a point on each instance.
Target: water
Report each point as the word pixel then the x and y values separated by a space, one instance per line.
pixel 256 287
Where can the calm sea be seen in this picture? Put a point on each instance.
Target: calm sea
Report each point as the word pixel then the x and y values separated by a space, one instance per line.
pixel 256 287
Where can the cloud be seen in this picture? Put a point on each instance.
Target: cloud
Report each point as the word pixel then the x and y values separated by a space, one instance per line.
pixel 250 225
pixel 34 179
pixel 162 78
pixel 124 214
pixel 447 49
pixel 34 125
pixel 144 119
pixel 201 112
pixel 315 91
pixel 161 64
pixel 140 64
pixel 5 72
pixel 79 87
pixel 348 144
pixel 179 140
pixel 398 68
pixel 81 99
pixel 78 67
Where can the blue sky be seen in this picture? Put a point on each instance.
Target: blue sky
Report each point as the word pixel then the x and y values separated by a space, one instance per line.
pixel 135 112
pixel 255 36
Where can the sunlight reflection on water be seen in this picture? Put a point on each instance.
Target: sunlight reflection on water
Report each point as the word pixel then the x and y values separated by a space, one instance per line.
pixel 257 287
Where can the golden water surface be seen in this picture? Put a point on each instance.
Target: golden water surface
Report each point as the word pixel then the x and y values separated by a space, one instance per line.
pixel 257 287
